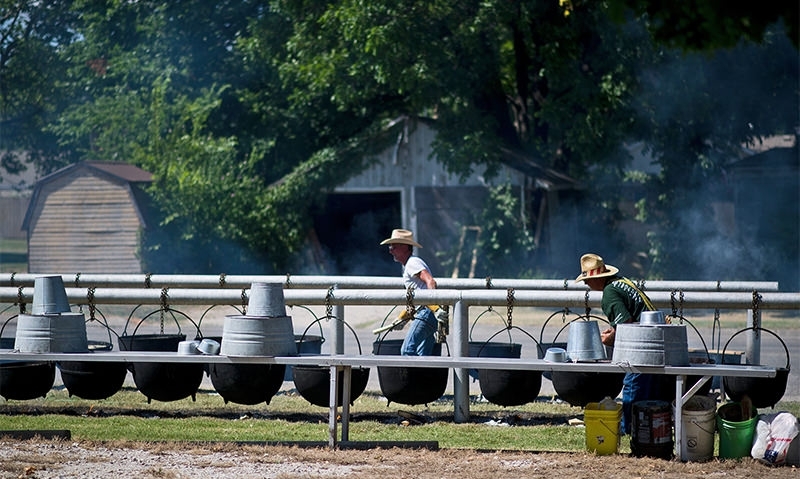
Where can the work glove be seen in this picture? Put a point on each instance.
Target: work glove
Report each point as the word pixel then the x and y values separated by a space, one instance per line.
pixel 398 323
pixel 444 320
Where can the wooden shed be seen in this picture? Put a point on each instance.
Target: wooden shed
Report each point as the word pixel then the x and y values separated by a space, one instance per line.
pixel 87 218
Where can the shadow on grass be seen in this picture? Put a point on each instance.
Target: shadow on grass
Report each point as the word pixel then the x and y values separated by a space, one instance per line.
pixel 394 415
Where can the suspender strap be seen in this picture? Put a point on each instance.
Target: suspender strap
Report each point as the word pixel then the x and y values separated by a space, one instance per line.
pixel 647 303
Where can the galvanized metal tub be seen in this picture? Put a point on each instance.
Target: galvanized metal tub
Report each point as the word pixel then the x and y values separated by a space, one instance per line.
pixel 258 336
pixel 51 333
pixel 651 345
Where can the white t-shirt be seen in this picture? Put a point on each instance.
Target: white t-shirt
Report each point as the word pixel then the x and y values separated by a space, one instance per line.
pixel 411 270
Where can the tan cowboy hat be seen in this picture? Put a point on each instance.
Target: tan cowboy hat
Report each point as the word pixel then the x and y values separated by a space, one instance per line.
pixel 401 237
pixel 592 266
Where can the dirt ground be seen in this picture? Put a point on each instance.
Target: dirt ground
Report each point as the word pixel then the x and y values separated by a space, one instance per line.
pixel 65 459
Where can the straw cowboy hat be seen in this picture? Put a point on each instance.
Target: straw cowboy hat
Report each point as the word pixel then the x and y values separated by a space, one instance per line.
pixel 592 266
pixel 401 237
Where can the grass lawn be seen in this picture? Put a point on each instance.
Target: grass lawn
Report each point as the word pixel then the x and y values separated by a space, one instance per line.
pixel 13 255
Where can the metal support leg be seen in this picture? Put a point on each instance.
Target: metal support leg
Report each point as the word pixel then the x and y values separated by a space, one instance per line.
pixel 460 375
pixel 337 347
pixel 334 407
pixel 334 404
pixel 679 380
pixel 346 385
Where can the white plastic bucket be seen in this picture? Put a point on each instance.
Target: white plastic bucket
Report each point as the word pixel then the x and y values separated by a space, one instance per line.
pixel 697 428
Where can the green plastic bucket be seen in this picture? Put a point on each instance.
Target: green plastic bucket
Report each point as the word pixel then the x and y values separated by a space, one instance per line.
pixel 735 432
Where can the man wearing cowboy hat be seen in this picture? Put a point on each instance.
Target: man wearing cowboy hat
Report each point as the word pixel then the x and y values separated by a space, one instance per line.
pixel 420 339
pixel 622 302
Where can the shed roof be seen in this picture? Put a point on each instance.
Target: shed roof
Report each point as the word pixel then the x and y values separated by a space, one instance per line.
pixel 114 170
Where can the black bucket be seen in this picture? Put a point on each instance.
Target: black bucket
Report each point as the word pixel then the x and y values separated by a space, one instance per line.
pixel 23 380
pixel 91 379
pixel 651 429
pixel 162 382
pixel 313 383
pixel 581 388
pixel 247 383
pixel 763 392
pixel 307 344
pixel 409 385
pixel 506 387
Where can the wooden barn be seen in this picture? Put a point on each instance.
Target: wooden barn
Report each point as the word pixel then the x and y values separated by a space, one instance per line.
pixel 87 218
pixel 406 187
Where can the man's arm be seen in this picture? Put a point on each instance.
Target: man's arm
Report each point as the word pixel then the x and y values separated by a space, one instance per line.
pixel 425 276
pixel 608 336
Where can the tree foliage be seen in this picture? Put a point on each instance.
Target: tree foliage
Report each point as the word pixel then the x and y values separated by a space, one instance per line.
pixel 247 112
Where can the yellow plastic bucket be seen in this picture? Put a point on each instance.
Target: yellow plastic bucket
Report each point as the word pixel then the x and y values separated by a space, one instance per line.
pixel 602 428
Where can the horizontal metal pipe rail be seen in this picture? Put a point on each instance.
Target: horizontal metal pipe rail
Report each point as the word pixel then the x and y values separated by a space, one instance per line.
pixel 560 299
pixel 462 300
pixel 158 281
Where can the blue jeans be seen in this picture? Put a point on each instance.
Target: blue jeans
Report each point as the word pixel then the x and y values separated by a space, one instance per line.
pixel 421 337
pixel 641 387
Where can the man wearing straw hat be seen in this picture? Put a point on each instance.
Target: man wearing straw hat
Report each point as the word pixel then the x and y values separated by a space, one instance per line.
pixel 622 302
pixel 420 339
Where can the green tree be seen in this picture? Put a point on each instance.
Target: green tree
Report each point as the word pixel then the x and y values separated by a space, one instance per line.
pixel 30 67
pixel 707 25
pixel 248 111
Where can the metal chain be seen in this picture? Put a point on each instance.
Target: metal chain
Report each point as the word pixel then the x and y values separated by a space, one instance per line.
pixel 164 306
pixel 21 300
pixel 715 326
pixel 586 303
pixel 672 302
pixel 288 280
pixel 328 303
pixel 756 306
pixel 90 301
pixel 510 306
pixel 680 311
pixel 147 283
pixel 222 280
pixel 12 278
pixel 77 280
pixel 244 301
pixel 489 286
pixel 410 301
pixel 566 283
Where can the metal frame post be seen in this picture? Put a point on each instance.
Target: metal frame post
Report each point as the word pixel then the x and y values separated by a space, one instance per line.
pixel 460 375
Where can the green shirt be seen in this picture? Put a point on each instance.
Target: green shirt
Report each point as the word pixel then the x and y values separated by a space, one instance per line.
pixel 621 302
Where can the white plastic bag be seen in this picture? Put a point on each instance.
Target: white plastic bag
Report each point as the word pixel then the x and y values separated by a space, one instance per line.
pixel 773 435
